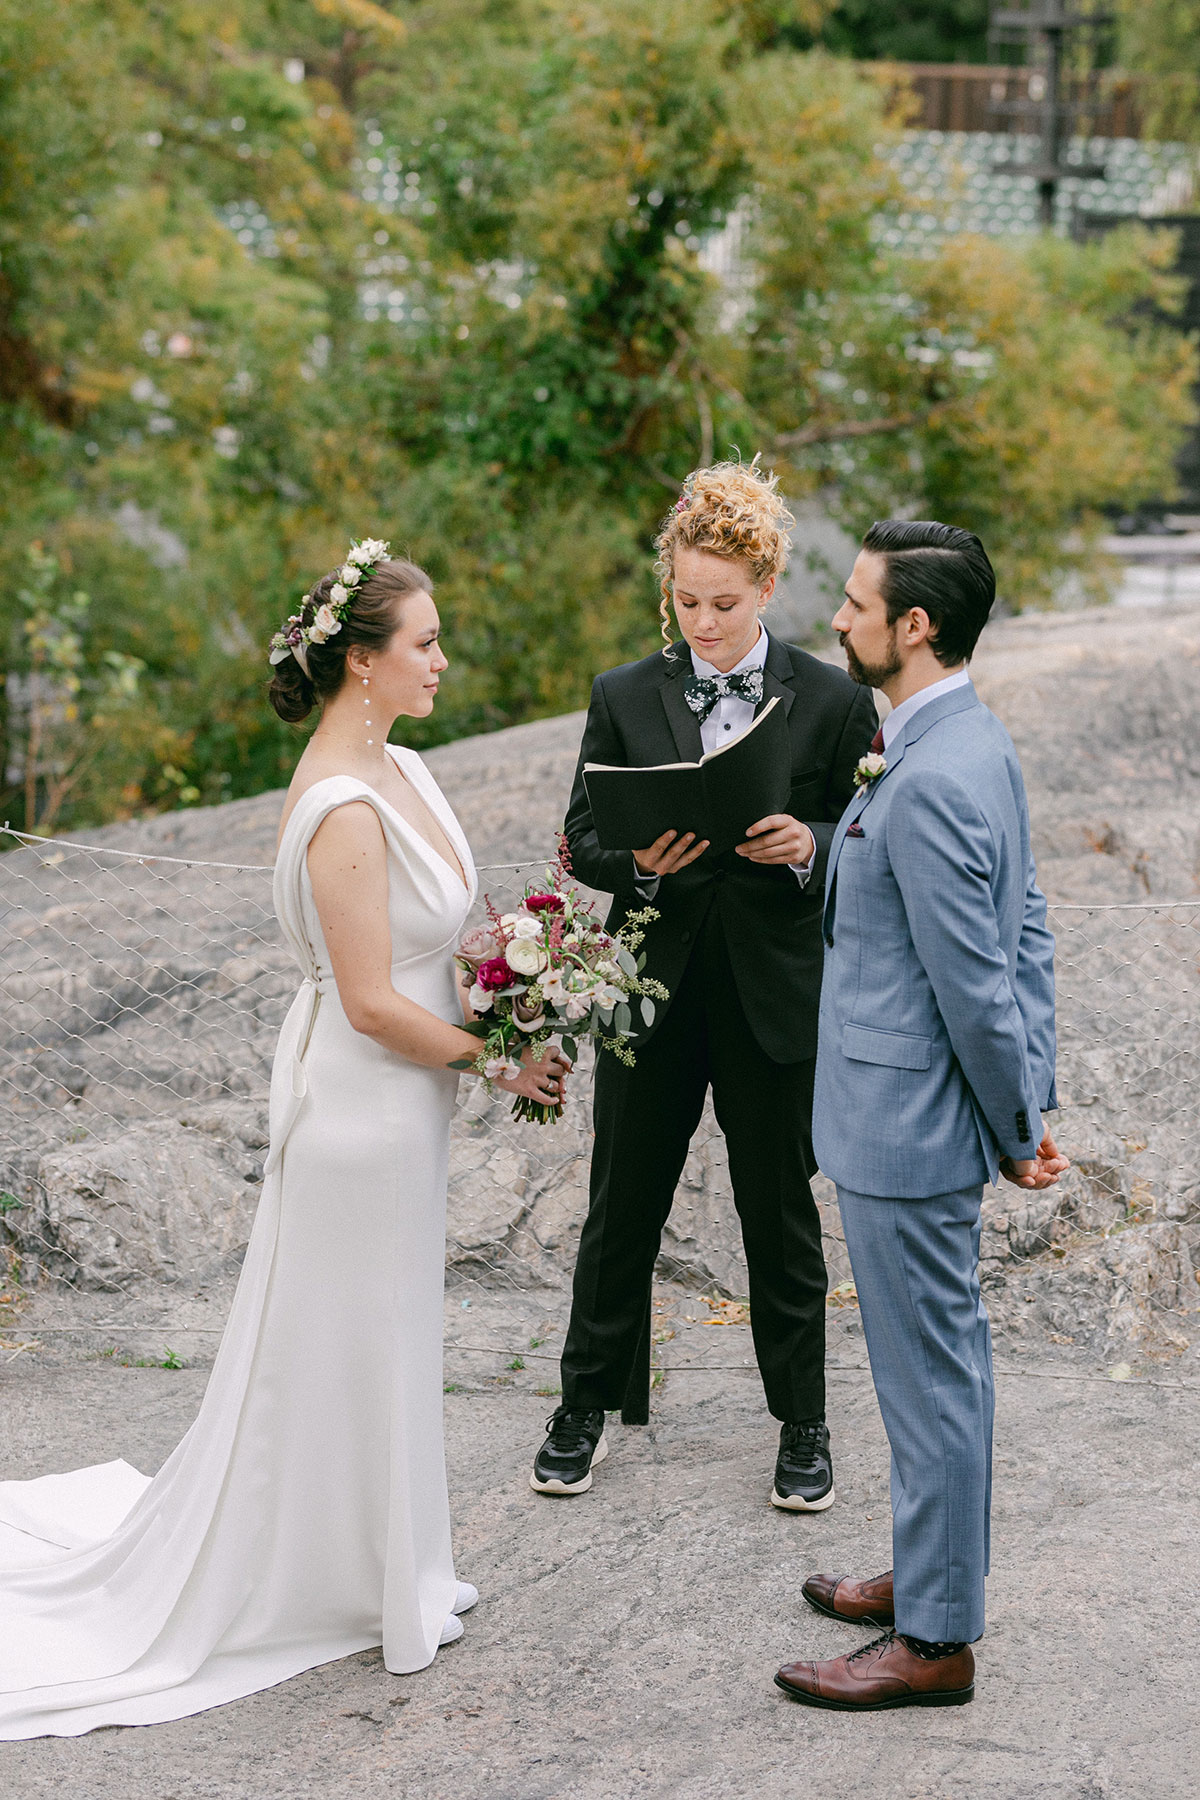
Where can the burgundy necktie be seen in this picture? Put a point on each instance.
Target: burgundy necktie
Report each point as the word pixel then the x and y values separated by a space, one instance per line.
pixel 877 742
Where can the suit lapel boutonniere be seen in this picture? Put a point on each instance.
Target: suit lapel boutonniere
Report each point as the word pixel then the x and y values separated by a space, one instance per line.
pixel 868 771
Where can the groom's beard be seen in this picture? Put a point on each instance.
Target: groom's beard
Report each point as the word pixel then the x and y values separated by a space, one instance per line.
pixel 872 675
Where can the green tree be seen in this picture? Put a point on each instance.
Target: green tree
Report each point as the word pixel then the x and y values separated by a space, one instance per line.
pixel 487 277
pixel 1160 39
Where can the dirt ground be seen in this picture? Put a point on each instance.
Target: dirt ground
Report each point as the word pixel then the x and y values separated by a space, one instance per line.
pixel 625 1641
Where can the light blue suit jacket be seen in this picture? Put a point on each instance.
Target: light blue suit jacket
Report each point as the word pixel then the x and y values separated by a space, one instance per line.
pixel 936 1043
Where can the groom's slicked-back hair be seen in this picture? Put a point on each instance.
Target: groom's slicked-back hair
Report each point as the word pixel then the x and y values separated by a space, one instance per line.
pixel 942 569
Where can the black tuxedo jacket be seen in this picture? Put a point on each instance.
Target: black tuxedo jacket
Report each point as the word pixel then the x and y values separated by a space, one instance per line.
pixel 772 925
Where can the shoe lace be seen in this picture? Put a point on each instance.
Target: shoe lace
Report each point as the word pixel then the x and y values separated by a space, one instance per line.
pixel 876 1644
pixel 570 1431
pixel 802 1437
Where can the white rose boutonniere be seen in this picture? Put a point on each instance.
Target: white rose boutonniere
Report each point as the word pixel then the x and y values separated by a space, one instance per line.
pixel 869 769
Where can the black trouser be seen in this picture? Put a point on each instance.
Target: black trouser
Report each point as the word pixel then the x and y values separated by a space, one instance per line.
pixel 644 1121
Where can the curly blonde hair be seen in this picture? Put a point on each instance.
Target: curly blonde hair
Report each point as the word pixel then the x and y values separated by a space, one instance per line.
pixel 732 509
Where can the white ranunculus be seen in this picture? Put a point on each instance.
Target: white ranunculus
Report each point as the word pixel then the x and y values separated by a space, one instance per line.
pixel 478 999
pixel 326 622
pixel 349 575
pixel 525 925
pixel 338 595
pixel 525 957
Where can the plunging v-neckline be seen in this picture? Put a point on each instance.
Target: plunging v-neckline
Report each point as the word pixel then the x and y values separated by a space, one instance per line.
pixel 456 868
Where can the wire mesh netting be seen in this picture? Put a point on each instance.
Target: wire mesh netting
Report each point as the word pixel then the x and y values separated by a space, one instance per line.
pixel 143 995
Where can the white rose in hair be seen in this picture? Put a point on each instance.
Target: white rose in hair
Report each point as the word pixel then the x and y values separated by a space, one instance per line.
pixel 337 595
pixel 525 957
pixel 350 576
pixel 326 622
pixel 372 550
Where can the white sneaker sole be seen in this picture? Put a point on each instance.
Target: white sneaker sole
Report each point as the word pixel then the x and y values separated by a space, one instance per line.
pixel 797 1503
pixel 554 1486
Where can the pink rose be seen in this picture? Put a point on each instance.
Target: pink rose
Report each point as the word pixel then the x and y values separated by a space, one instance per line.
pixel 536 903
pixel 478 945
pixel 494 974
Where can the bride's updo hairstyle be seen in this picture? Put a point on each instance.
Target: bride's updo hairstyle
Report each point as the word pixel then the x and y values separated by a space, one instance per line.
pixel 373 615
pixel 732 509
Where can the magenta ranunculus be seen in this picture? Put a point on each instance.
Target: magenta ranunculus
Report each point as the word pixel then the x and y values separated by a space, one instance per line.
pixel 494 974
pixel 536 903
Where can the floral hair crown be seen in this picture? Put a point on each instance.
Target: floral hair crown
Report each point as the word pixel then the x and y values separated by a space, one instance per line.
pixel 294 638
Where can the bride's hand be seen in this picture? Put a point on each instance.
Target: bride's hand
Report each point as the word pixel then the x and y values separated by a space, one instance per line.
pixel 544 1081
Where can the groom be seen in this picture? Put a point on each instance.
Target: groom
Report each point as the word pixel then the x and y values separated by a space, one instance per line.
pixel 934 1067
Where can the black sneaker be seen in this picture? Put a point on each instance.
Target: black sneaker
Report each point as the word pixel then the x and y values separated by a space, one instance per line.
pixel 563 1465
pixel 803 1469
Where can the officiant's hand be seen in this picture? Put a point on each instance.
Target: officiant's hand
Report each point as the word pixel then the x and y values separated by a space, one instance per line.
pixel 543 1082
pixel 1040 1171
pixel 665 856
pixel 779 839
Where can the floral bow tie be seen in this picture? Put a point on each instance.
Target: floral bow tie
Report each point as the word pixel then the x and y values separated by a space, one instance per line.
pixel 703 691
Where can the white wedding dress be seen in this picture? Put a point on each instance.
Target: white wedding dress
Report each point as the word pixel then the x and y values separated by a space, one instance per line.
pixel 304 1516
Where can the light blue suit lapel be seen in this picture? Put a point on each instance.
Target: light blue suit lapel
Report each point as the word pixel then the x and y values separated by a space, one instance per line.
pixel 857 807
pixel 957 700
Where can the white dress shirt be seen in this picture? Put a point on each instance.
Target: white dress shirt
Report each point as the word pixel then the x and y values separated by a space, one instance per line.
pixel 900 715
pixel 728 719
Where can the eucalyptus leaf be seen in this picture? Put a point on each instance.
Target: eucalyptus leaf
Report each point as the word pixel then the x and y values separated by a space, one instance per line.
pixel 622 1017
pixel 647 1009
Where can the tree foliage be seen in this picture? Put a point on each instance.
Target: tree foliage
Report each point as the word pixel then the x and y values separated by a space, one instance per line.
pixel 1160 39
pixel 486 277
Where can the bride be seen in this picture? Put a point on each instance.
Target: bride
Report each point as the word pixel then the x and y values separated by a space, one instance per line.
pixel 304 1516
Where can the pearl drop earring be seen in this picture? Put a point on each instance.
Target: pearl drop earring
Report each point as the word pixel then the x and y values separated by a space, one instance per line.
pixel 367 702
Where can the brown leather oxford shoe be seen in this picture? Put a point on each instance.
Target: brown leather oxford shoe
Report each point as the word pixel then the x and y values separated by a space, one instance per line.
pixel 862 1602
pixel 881 1674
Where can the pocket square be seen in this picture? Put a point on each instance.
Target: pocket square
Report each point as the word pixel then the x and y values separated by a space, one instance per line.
pixel 855 830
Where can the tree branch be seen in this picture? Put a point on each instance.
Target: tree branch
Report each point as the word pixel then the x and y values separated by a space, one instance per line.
pixel 846 428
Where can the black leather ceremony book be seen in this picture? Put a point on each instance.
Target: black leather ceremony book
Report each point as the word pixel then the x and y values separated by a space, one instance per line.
pixel 718 798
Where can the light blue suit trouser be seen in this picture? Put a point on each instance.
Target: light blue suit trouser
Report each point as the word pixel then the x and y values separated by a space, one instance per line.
pixel 916 1269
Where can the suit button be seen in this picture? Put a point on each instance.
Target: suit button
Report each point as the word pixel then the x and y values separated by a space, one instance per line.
pixel 685 937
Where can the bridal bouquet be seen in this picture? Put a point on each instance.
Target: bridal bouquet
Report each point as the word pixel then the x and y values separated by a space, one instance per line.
pixel 550 969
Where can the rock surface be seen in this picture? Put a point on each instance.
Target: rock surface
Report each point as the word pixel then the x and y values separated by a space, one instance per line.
pixel 144 994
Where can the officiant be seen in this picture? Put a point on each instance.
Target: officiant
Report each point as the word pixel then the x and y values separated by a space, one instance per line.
pixel 738 946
